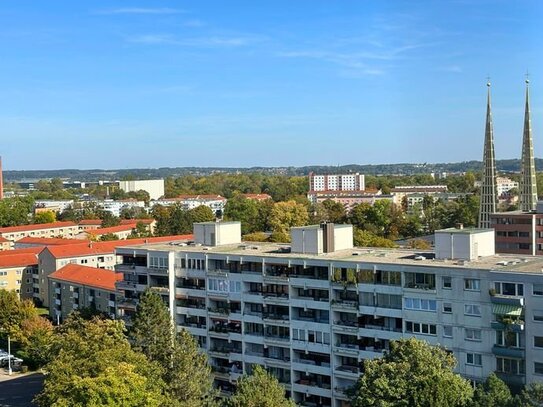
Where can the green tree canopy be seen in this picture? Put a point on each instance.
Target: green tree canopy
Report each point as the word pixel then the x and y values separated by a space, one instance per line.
pixel 260 389
pixel 492 393
pixel 531 396
pixel 412 374
pixel 45 217
pixel 285 215
pixel 93 365
pixel 245 211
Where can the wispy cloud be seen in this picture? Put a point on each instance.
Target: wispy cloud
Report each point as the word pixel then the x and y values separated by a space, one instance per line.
pixel 141 10
pixel 206 42
pixel 452 69
pixel 194 23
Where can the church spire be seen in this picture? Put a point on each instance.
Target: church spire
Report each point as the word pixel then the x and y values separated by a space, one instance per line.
pixel 489 196
pixel 528 185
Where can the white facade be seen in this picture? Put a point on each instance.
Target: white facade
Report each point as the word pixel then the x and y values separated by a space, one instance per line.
pixel 311 320
pixel 215 202
pixel 55 206
pixel 217 233
pixel 155 187
pixel 115 207
pixel 464 244
pixel 315 240
pixel 337 182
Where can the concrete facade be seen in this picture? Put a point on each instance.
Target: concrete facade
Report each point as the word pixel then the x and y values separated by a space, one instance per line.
pixel 155 187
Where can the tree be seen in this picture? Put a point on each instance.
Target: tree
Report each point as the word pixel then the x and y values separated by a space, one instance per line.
pixel 243 210
pixel 412 374
pixel 13 312
pixel 260 389
pixel 108 219
pixel 15 211
pixel 285 215
pixel 152 328
pixel 492 393
pixel 108 237
pixel 140 231
pixel 36 341
pixel 419 244
pixel 256 237
pixel 335 211
pixel 531 396
pixel 201 213
pixel 92 364
pixel 45 217
pixel 189 377
pixel 364 238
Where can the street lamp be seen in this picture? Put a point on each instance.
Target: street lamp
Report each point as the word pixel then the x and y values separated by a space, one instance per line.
pixel 9 357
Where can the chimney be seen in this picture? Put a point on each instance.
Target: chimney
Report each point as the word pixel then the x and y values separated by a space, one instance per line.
pixel 1 181
pixel 460 226
pixel 328 237
pixel 90 245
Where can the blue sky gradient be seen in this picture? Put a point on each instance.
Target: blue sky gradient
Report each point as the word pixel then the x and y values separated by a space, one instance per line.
pixel 123 84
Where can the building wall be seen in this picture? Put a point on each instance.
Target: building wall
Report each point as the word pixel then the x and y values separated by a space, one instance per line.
pixel 65 232
pixel 65 297
pixel 155 187
pixel 455 305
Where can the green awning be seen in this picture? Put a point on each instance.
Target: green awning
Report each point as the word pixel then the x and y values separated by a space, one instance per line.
pixel 505 309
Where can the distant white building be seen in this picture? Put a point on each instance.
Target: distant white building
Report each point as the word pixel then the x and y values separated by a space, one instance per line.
pixel 503 184
pixel 155 187
pixel 336 182
pixel 51 205
pixel 115 207
pixel 215 202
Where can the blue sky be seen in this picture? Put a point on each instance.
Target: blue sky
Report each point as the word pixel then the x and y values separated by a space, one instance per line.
pixel 123 84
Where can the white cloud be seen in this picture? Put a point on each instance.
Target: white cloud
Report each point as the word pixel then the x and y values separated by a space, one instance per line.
pixel 205 42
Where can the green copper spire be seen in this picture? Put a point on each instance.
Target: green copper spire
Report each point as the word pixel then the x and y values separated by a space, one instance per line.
pixel 489 194
pixel 528 185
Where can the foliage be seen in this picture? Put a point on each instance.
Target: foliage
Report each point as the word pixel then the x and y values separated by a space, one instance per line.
pixel 260 389
pixel 245 211
pixel 285 215
pixel 13 313
pixel 189 378
pixel 140 195
pixel 15 211
pixel 45 217
pixel 492 393
pixel 152 328
pixel 36 341
pixel 256 237
pixel 175 220
pixel 419 244
pixel 412 374
pixel 140 231
pixel 92 364
pixel 363 238
pixel 201 213
pixel 280 237
pixel 531 396
pixel 108 237
pixel 134 212
pixel 108 219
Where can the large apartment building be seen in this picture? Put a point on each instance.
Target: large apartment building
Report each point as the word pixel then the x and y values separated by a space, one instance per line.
pixel 312 311
pixel 55 229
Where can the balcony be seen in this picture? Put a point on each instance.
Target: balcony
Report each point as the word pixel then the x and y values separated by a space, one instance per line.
pixel 126 285
pixel 346 349
pixel 282 278
pixel 125 267
pixel 508 352
pixel 350 327
pixel 351 372
pixel 218 312
pixel 276 319
pixel 515 326
pixel 217 272
pixel 159 271
pixel 161 290
pixel 506 300
pixel 343 305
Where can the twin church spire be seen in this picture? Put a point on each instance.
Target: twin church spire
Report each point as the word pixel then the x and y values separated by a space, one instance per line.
pixel 528 186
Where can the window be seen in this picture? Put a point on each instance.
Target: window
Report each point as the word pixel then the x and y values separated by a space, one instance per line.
pixel 473 334
pixel 223 286
pixel 420 281
pixel 538 368
pixel 538 341
pixel 538 317
pixel 158 262
pixel 447 307
pixel 472 309
pixel 447 282
pixel 419 328
pixel 537 289
pixel 419 304
pixel 447 331
pixel 474 359
pixel 511 289
pixel 510 366
pixel 508 338
pixel 472 284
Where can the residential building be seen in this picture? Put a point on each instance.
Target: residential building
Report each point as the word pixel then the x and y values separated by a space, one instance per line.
pixel 215 202
pixel 336 182
pixel 16 271
pixel 121 232
pixel 5 244
pixel 519 232
pixel 155 187
pixel 44 241
pixel 115 207
pixel 415 192
pixel 92 254
pixel 75 286
pixel 59 206
pixel 55 229
pixel 416 199
pixel 312 316
pixel 349 198
pixel 89 224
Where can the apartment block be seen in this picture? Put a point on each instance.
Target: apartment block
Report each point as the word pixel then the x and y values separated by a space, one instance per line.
pixel 16 271
pixel 75 286
pixel 519 232
pixel 155 187
pixel 336 182
pixel 215 202
pixel 312 316
pixel 55 229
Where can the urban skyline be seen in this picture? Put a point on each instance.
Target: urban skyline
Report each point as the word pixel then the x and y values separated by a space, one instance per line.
pixel 400 82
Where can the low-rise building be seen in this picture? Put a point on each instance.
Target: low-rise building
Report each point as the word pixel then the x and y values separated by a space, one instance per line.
pixel 215 202
pixel 121 232
pixel 75 286
pixel 16 272
pixel 349 198
pixel 45 205
pixel 54 229
pixel 5 244
pixel 88 224
pixel 115 207
pixel 400 193
pixel 44 241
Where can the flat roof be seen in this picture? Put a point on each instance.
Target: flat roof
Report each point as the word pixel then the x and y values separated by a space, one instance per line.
pixel 408 257
pixel 467 231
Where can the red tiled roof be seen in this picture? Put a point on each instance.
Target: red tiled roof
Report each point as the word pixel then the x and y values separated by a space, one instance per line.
pixel 35 250
pixel 112 229
pixel 3 240
pixel 96 248
pixel 48 241
pixel 88 276
pixel 37 226
pixel 18 260
pixel 90 222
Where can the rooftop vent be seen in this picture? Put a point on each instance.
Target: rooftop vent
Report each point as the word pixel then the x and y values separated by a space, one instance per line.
pixel 357 254
pixel 419 257
pixel 502 263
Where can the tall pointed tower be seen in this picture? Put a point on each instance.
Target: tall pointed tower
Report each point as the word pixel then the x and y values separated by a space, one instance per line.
pixel 489 190
pixel 528 185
